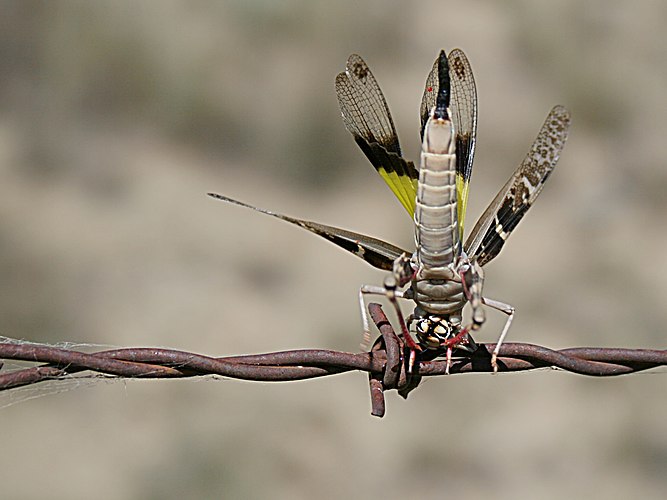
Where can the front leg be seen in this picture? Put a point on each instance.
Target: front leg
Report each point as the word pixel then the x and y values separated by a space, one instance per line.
pixel 402 274
pixel 390 292
pixel 367 290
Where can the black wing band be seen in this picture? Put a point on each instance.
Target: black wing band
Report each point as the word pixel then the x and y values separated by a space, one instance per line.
pixel 366 116
pixel 519 193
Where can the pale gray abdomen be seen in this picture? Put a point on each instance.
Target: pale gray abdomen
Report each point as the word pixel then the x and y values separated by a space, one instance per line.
pixel 436 231
pixel 437 286
pixel 435 214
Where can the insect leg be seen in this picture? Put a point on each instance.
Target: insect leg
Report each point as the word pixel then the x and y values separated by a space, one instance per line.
pixel 509 310
pixel 390 291
pixel 372 290
pixel 474 294
pixel 367 290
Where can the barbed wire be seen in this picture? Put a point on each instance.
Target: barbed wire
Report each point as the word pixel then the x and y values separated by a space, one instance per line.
pixel 385 363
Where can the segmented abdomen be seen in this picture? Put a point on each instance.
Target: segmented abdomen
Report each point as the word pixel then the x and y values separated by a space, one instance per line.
pixel 436 230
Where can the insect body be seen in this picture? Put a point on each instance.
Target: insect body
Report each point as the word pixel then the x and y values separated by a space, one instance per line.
pixel 439 265
pixel 442 275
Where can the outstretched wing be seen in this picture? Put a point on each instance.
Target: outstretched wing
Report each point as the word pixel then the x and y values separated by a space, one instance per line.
pixel 366 116
pixel 519 193
pixel 376 252
pixel 464 116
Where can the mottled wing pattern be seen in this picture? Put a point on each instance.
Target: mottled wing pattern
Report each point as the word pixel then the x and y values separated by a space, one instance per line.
pixel 464 117
pixel 366 116
pixel 374 251
pixel 519 193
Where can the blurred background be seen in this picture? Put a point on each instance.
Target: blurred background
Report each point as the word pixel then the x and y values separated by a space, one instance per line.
pixel 117 117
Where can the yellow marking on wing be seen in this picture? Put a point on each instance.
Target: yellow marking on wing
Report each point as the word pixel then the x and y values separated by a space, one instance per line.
pixel 404 188
pixel 393 181
pixel 462 187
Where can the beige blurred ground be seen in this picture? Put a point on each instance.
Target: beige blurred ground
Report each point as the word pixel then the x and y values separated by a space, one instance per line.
pixel 117 117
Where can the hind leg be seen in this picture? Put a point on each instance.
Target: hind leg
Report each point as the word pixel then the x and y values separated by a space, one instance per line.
pixel 509 310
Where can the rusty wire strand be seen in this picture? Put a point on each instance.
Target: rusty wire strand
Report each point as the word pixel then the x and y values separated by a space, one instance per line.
pixel 384 364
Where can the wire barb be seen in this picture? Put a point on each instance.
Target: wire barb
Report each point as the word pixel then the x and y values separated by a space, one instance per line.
pixel 385 363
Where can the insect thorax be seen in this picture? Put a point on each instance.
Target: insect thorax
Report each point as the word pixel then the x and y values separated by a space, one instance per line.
pixel 439 291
